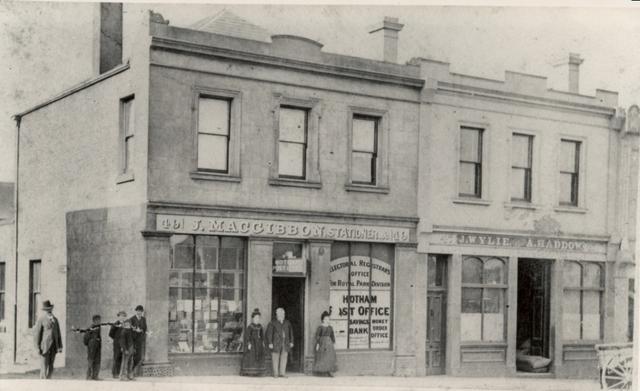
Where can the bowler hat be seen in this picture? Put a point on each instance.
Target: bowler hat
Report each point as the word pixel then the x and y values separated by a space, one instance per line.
pixel 46 305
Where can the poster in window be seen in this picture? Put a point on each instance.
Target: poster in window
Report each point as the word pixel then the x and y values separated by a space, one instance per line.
pixel 381 308
pixel 359 301
pixel 339 289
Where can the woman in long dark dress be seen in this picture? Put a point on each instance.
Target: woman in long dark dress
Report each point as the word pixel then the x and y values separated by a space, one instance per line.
pixel 253 358
pixel 325 353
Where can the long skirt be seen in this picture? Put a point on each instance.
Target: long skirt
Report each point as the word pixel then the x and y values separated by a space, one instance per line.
pixel 253 361
pixel 325 357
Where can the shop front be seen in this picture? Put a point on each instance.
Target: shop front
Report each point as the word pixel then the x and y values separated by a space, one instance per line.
pixel 214 269
pixel 511 304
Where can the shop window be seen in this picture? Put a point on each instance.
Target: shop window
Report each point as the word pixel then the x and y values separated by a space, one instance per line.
pixel 127 132
pixel 361 286
pixel 521 159
pixel 2 289
pixel 34 290
pixel 569 172
pixel 292 143
pixel 582 304
pixel 213 134
pixel 364 152
pixel 470 172
pixel 206 294
pixel 483 299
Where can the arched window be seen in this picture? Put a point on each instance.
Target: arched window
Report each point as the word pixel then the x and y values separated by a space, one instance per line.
pixel 483 299
pixel 582 305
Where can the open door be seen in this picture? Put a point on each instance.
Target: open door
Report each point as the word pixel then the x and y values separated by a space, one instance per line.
pixel 288 293
pixel 436 314
pixel 534 305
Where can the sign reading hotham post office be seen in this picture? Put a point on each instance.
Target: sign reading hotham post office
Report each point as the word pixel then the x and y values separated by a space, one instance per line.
pixel 286 229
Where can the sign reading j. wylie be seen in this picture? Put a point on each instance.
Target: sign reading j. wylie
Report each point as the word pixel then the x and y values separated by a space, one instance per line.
pixel 284 229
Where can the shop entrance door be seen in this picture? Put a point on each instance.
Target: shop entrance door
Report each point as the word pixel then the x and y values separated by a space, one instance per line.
pixel 288 293
pixel 533 306
pixel 436 314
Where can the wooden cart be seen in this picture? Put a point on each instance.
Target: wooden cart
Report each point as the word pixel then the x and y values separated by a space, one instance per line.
pixel 616 365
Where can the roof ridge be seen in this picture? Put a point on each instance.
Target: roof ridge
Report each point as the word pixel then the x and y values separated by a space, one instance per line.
pixel 226 22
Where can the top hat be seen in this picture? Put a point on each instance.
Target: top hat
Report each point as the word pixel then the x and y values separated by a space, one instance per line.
pixel 46 305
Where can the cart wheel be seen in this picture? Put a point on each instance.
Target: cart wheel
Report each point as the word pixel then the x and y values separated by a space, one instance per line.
pixel 618 375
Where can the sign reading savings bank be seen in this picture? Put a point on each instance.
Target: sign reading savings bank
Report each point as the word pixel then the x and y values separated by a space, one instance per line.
pixel 282 229
pixel 360 297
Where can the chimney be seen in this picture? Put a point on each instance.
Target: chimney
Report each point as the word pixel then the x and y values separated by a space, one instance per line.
pixel 107 36
pixel 567 73
pixel 386 35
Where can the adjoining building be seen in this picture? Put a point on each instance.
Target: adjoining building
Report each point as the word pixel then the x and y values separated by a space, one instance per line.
pixel 208 171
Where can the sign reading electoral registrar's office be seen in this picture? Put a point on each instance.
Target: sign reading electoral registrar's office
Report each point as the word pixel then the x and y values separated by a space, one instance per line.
pixel 282 229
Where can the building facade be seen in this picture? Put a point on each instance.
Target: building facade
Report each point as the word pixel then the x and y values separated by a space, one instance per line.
pixel 218 170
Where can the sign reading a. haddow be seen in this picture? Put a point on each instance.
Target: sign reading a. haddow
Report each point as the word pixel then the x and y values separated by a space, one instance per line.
pixel 283 229
pixel 360 297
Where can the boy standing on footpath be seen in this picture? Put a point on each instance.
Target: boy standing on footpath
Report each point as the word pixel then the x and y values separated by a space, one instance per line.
pixel 93 342
pixel 114 334
pixel 139 326
pixel 127 348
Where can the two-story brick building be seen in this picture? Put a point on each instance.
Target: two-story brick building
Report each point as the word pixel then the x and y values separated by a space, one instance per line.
pixel 205 172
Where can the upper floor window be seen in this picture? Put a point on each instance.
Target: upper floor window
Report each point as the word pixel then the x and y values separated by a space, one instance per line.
pixel 569 172
pixel 470 178
pixel 364 153
pixel 2 289
pixel 127 132
pixel 213 134
pixel 521 159
pixel 292 143
pixel 34 290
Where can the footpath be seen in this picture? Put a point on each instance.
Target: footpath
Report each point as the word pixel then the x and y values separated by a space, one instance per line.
pixel 301 382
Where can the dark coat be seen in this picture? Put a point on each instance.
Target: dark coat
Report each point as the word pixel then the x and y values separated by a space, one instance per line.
pixel 47 334
pixel 280 335
pixel 93 341
pixel 125 341
pixel 140 324
pixel 114 333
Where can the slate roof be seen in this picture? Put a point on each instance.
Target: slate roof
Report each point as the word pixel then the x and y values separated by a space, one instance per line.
pixel 227 23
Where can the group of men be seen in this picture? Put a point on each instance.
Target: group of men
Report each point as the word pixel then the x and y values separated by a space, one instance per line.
pixel 128 335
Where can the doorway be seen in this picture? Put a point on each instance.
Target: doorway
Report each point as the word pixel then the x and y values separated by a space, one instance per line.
pixel 534 286
pixel 288 293
pixel 436 314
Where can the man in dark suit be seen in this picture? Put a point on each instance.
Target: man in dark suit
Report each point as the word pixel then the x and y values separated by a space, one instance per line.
pixel 139 326
pixel 114 334
pixel 280 340
pixel 48 339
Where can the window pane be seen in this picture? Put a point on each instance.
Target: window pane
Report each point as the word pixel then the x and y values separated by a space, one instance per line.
pixel 362 167
pixel 212 152
pixel 364 134
pixel 359 319
pixel 381 280
pixel 231 258
pixel 470 145
pixel 591 316
pixel 291 159
pixel 467 183
pixel 128 153
pixel 287 250
pixel 571 315
pixel 571 274
pixel 180 320
pixel 494 271
pixel 293 125
pixel 2 276
pixel 493 329
pixel 338 291
pixel 520 151
pixel 566 185
pixel 471 316
pixel 518 183
pixel 568 151
pixel 231 320
pixel 181 252
pixel 36 279
pixel 592 276
pixel 213 116
pixel 129 118
pixel 471 270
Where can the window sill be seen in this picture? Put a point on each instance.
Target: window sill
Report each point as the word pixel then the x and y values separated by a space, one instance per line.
pixel 213 176
pixel 570 209
pixel 366 188
pixel 124 178
pixel 521 205
pixel 472 201
pixel 294 183
pixel 483 344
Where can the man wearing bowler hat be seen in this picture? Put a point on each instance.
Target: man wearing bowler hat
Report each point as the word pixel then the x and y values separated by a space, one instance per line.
pixel 48 339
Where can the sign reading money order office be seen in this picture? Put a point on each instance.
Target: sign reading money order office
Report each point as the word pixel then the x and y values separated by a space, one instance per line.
pixel 281 229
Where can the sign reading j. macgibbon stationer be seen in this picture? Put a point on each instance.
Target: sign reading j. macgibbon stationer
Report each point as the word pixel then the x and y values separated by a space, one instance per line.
pixel 286 229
